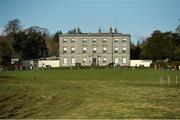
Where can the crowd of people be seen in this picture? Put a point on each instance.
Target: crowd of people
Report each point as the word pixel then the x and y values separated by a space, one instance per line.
pixel 21 67
pixel 36 66
pixel 168 67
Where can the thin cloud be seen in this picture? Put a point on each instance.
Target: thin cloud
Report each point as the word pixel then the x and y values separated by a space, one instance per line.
pixel 1 31
pixel 140 37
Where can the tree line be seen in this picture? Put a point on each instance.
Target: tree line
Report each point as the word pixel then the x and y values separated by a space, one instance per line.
pixel 25 44
pixel 36 42
pixel 159 46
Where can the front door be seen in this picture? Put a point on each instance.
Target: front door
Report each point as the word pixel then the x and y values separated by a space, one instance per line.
pixel 94 62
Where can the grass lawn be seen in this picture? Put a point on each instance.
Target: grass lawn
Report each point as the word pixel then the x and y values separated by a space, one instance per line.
pixel 91 93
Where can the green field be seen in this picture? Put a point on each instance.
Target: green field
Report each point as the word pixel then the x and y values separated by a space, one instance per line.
pixel 91 93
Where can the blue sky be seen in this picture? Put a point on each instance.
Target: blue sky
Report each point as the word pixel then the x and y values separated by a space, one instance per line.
pixel 136 17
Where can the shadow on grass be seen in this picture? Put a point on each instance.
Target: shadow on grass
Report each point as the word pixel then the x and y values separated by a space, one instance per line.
pixel 140 84
pixel 6 77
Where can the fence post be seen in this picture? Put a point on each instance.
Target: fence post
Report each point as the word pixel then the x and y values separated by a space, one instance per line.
pixel 168 80
pixel 160 80
pixel 176 79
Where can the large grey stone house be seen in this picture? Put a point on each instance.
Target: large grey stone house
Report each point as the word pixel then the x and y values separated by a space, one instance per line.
pixel 94 49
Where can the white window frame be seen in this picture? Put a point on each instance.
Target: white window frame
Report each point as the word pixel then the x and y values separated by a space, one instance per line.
pixel 94 40
pixel 116 39
pixel 124 60
pixel 104 39
pixel 99 59
pixel 84 49
pixel 73 40
pixel 124 49
pixel 84 61
pixel 90 60
pixel 124 39
pixel 73 61
pixel 94 50
pixel 104 49
pixel 104 60
pixel 64 40
pixel 116 60
pixel 84 39
pixel 65 50
pixel 116 49
pixel 65 61
pixel 72 49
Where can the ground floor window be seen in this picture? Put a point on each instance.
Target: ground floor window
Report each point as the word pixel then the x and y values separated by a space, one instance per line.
pixel 65 61
pixel 104 60
pixel 73 60
pixel 84 61
pixel 90 60
pixel 124 61
pixel 116 60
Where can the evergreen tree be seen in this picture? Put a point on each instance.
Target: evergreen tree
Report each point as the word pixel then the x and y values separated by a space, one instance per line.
pixel 78 30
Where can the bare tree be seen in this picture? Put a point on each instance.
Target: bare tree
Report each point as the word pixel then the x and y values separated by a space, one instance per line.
pixel 13 26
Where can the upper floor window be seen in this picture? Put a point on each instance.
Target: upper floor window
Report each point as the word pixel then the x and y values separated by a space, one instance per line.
pixel 72 50
pixel 84 39
pixel 73 40
pixel 124 49
pixel 84 50
pixel 124 39
pixel 64 50
pixel 94 50
pixel 104 39
pixel 104 50
pixel 94 39
pixel 116 50
pixel 84 60
pixel 116 40
pixel 64 40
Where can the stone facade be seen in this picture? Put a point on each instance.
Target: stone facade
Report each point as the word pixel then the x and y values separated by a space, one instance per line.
pixel 94 49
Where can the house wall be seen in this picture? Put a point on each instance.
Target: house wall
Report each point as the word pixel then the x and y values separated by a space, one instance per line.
pixel 137 63
pixel 52 63
pixel 110 55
